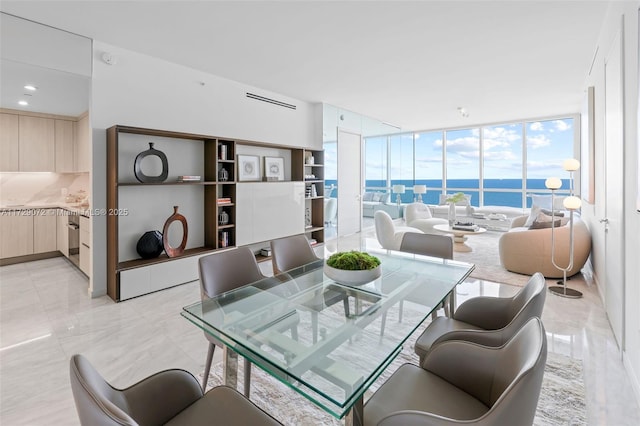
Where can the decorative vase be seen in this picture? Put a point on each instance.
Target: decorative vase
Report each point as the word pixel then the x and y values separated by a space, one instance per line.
pixel 175 251
pixel 150 245
pixel 452 213
pixel 137 166
pixel 223 218
pixel 223 175
pixel 342 276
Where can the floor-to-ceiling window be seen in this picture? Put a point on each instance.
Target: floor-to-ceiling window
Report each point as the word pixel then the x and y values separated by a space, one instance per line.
pixel 497 164
pixel 502 160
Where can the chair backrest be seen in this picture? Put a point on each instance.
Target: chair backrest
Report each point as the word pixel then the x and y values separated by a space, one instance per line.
pixel 227 270
pixel 97 402
pixel 330 209
pixel 527 303
pixel 427 245
pixel 416 211
pixel 518 376
pixel 385 230
pixel 291 252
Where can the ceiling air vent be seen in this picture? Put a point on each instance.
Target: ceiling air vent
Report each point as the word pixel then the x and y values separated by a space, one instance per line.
pixel 271 101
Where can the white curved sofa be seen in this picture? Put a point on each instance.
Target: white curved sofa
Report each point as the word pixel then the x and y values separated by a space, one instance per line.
pixel 527 251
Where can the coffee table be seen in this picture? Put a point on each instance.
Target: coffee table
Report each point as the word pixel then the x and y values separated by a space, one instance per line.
pixel 459 237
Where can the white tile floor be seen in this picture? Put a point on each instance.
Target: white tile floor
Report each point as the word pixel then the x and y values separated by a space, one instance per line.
pixel 46 317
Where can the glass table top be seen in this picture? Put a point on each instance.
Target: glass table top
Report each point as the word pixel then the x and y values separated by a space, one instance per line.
pixel 326 340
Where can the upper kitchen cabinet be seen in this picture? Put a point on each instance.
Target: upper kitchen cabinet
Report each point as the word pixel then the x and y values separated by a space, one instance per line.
pixel 9 143
pixel 47 95
pixel 36 144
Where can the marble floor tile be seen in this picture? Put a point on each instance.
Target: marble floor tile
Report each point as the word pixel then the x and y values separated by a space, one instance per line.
pixel 46 316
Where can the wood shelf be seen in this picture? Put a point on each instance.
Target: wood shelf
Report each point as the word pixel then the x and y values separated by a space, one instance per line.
pixel 314 165
pixel 261 258
pixel 313 229
pixel 165 183
pixel 136 263
pixel 231 225
pixel 314 198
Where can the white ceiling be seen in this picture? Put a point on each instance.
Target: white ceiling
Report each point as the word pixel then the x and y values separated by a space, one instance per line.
pixel 407 63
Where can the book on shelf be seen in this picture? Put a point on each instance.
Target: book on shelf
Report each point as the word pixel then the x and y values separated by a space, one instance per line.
pixel 313 242
pixel 189 178
pixel 224 200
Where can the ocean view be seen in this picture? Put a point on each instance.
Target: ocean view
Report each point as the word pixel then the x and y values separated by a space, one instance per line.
pixel 491 198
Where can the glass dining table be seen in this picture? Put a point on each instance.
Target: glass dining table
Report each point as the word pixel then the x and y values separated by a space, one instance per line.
pixel 334 358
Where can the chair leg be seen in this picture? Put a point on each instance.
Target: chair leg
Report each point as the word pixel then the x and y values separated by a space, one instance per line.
pixel 294 332
pixel 247 377
pixel 383 324
pixel 314 325
pixel 207 366
pixel 345 301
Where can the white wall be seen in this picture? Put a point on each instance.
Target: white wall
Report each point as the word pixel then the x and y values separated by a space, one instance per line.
pixel 143 91
pixel 626 11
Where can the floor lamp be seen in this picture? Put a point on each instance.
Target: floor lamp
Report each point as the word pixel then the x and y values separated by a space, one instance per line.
pixel 571 203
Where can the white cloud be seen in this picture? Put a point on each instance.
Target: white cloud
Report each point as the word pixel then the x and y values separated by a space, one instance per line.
pixel 495 156
pixel 537 126
pixel 561 125
pixel 538 141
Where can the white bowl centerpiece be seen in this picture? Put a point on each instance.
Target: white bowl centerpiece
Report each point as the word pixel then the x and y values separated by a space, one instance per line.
pixel 352 267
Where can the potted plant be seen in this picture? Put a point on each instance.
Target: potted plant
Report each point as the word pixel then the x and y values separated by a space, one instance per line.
pixel 352 267
pixel 453 200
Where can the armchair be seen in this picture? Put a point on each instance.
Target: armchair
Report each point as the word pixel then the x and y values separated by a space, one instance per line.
pixel 171 397
pixel 489 321
pixel 387 234
pixel 418 215
pixel 466 383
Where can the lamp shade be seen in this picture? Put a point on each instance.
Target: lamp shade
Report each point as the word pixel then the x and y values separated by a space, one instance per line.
pixel 572 203
pixel 553 183
pixel 571 165
pixel 420 189
pixel 398 189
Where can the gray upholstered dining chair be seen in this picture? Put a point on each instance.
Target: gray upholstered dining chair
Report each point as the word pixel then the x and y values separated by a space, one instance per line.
pixel 462 382
pixel 489 321
pixel 293 252
pixel 429 245
pixel 219 273
pixel 170 397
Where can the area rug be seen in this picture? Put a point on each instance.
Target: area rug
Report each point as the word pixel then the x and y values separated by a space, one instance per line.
pixel 562 398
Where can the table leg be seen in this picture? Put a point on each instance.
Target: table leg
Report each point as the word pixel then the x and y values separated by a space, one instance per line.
pixel 355 416
pixel 452 302
pixel 230 368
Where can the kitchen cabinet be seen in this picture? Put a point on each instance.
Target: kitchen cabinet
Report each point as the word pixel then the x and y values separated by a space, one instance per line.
pixel 83 144
pixel 9 143
pixel 62 233
pixel 17 234
pixel 36 144
pixel 85 245
pixel 65 146
pixel 45 232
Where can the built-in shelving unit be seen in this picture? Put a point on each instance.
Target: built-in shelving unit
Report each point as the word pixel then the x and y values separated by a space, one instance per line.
pixel 210 205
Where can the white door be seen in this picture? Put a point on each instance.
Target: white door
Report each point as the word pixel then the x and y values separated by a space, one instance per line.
pixel 614 142
pixel 349 182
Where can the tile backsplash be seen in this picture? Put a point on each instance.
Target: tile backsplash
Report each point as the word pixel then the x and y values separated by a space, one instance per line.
pixel 40 188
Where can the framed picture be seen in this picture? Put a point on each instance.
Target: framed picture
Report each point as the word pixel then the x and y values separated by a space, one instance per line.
pixel 587 147
pixel 274 168
pixel 248 167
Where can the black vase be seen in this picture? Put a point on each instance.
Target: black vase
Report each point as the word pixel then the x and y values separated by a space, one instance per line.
pixel 150 245
pixel 137 166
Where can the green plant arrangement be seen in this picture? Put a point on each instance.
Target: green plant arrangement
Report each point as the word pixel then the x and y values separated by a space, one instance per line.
pixel 455 198
pixel 353 261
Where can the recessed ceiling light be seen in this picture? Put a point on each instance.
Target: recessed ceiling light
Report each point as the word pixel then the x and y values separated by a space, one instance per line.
pixel 31 87
pixel 23 103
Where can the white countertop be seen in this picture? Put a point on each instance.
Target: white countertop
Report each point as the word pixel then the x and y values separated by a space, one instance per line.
pixel 71 207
